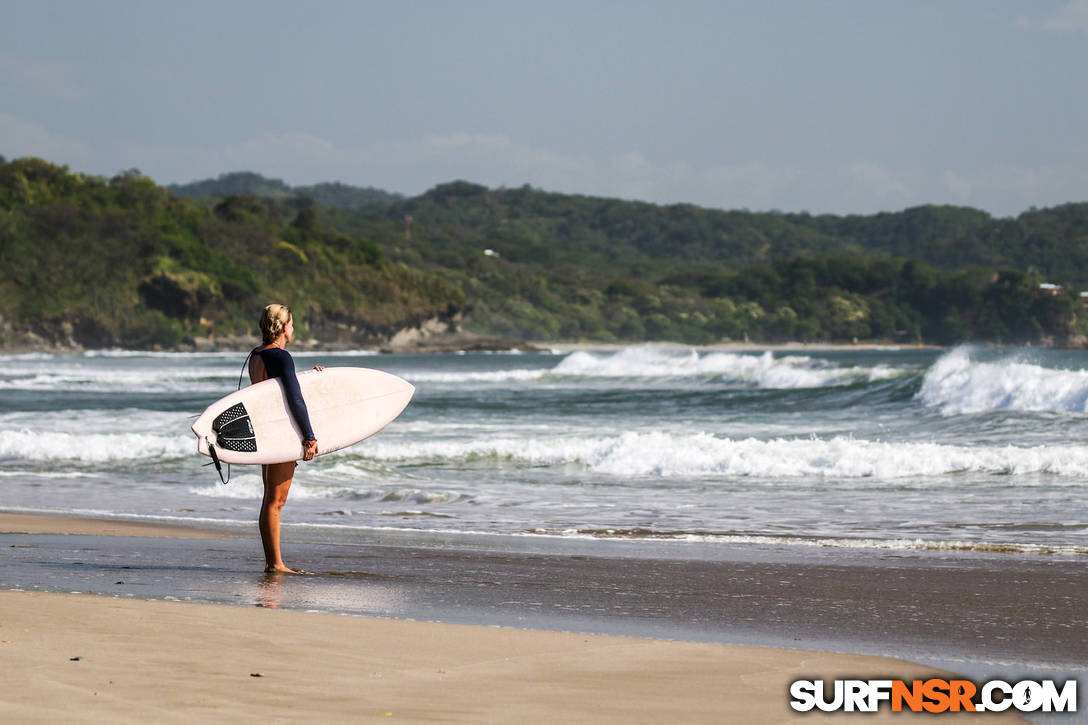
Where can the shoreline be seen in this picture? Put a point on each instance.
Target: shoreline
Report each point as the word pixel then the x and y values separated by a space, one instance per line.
pixel 121 655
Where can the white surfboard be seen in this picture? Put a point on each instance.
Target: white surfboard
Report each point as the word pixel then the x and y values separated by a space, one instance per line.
pixel 346 405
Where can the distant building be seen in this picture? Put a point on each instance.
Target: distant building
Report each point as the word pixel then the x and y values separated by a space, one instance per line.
pixel 1050 288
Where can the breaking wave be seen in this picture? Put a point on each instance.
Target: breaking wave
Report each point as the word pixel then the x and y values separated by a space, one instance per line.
pixel 650 362
pixel 26 445
pixel 667 455
pixel 957 385
pixel 71 436
pixel 704 455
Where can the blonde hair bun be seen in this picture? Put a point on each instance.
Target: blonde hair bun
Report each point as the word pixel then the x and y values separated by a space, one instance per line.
pixel 273 321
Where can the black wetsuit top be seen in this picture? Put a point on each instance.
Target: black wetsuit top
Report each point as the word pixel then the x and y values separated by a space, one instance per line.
pixel 279 364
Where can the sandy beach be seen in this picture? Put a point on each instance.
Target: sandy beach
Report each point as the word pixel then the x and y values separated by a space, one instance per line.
pixel 174 662
pixel 125 659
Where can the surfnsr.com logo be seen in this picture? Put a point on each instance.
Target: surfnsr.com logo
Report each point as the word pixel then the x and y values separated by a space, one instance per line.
pixel 933 695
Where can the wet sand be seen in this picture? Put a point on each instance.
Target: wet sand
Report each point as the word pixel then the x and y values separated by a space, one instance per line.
pixel 173 661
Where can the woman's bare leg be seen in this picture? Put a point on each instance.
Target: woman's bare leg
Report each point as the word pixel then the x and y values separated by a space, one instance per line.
pixel 277 482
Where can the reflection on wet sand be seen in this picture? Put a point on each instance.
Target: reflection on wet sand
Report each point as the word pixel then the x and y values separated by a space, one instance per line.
pixel 310 590
pixel 268 589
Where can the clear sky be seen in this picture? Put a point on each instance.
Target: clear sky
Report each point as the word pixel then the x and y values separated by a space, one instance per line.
pixel 830 106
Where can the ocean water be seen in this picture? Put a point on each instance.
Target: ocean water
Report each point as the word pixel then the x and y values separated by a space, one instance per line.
pixel 963 449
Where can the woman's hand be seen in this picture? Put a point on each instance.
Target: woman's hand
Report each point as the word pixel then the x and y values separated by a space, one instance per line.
pixel 319 368
pixel 309 450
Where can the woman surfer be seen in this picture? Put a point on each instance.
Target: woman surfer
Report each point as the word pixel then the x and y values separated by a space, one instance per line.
pixel 271 360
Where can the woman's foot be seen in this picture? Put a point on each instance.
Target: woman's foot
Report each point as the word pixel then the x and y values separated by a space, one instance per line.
pixel 279 569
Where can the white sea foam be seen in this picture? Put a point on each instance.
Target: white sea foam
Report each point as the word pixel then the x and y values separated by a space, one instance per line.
pixel 647 361
pixel 68 436
pixel 249 486
pixel 472 427
pixel 415 495
pixel 493 376
pixel 664 454
pixel 704 455
pixel 101 380
pixel 339 467
pixel 900 544
pixel 764 371
pixel 31 445
pixel 956 385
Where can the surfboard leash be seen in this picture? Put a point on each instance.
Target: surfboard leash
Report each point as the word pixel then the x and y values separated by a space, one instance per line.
pixel 215 462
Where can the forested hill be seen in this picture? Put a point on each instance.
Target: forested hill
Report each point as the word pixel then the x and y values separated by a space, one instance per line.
pixel 128 263
pixel 530 224
pixel 1052 241
pixel 122 262
pixel 548 265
